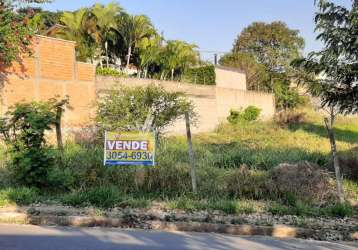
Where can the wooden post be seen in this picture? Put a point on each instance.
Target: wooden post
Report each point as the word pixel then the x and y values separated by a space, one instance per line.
pixel 191 153
pixel 58 128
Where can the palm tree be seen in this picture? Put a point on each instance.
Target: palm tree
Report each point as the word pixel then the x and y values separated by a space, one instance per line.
pixel 134 28
pixel 75 28
pixel 105 19
pixel 179 55
pixel 149 52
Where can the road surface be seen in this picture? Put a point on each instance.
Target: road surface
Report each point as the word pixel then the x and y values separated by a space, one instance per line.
pixel 24 237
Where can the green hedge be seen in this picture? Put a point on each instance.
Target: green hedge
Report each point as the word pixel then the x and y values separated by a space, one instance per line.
pixel 109 72
pixel 203 75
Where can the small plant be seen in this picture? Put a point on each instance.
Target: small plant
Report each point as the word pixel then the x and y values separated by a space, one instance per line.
pixel 251 113
pixel 24 130
pixel 234 116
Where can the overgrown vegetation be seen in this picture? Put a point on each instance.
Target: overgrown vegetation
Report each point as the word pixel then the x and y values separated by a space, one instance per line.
pixel 239 160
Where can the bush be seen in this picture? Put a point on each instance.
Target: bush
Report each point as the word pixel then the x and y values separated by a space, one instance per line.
pixel 289 117
pixel 31 167
pixel 251 113
pixel 301 182
pixel 110 72
pixel 349 166
pixel 129 108
pixel 286 96
pixel 24 131
pixel 202 75
pixel 245 183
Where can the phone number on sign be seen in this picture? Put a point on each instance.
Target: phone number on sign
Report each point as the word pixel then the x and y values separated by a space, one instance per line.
pixel 129 156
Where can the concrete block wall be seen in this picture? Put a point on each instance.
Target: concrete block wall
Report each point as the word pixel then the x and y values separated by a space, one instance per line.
pixel 212 103
pixel 230 78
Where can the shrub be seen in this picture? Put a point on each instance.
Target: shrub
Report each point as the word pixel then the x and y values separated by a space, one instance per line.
pixel 109 72
pixel 32 166
pixel 251 113
pixel 303 181
pixel 24 131
pixel 286 96
pixel 234 116
pixel 349 167
pixel 245 183
pixel 202 75
pixel 289 117
pixel 129 108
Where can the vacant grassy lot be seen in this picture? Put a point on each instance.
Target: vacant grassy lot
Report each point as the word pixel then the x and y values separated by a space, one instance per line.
pixel 224 184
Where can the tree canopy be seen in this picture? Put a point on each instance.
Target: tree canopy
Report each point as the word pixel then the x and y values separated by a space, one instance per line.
pixel 274 44
pixel 336 65
pixel 264 51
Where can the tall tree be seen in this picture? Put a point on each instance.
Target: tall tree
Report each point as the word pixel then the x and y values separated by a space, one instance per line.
pixel 134 28
pixel 179 55
pixel 149 52
pixel 76 28
pixel 274 45
pixel 105 19
pixel 336 67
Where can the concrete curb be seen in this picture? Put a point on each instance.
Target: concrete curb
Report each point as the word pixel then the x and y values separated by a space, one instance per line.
pixel 278 231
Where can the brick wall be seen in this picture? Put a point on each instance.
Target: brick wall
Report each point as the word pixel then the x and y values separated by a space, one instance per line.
pixel 52 71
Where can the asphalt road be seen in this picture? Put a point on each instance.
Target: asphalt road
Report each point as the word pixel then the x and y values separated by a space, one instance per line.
pixel 20 237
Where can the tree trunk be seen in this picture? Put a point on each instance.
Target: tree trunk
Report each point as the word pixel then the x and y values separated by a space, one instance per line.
pixel 129 56
pixel 145 72
pixel 172 74
pixel 339 178
pixel 58 128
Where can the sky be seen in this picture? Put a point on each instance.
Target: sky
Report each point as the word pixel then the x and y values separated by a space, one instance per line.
pixel 213 25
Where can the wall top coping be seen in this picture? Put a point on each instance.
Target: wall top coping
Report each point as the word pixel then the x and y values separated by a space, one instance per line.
pixel 230 69
pixel 54 38
pixel 155 81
